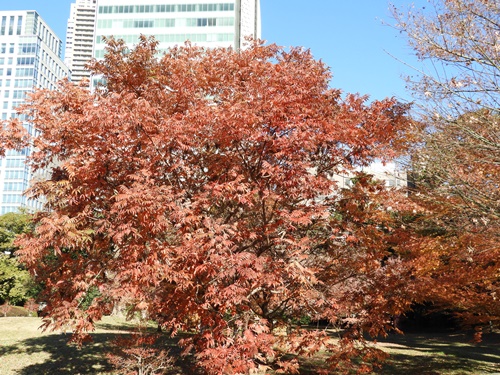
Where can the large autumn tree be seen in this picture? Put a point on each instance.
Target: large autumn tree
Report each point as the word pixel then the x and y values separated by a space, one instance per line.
pixel 457 161
pixel 197 189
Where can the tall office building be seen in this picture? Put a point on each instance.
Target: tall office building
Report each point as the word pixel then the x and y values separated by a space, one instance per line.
pixel 203 22
pixel 80 38
pixel 30 56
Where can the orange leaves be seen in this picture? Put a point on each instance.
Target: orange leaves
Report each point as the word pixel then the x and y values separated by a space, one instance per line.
pixel 12 136
pixel 197 188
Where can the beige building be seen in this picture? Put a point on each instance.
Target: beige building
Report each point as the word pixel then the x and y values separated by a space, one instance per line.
pixel 80 38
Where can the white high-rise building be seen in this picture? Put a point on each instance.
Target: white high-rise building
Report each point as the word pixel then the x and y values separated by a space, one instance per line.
pixel 207 23
pixel 30 57
pixel 80 38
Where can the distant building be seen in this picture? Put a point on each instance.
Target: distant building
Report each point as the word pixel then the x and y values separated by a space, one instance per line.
pixel 391 174
pixel 207 23
pixel 30 56
pixel 80 38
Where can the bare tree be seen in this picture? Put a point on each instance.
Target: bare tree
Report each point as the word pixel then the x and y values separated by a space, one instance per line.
pixel 457 159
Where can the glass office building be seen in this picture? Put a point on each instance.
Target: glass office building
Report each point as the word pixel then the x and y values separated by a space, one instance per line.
pixel 207 23
pixel 30 56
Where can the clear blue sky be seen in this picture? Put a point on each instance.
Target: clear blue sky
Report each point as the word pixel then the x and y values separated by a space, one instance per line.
pixel 348 35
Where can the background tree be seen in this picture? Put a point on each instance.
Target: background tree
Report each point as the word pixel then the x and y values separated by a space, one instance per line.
pixel 11 225
pixel 16 284
pixel 197 188
pixel 457 162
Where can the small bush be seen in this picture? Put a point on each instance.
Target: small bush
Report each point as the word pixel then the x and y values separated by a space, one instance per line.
pixel 138 355
pixel 9 311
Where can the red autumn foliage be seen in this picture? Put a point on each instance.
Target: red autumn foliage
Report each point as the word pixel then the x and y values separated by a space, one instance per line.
pixel 198 189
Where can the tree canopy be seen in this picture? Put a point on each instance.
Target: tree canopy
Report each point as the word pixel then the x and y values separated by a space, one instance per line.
pixel 198 189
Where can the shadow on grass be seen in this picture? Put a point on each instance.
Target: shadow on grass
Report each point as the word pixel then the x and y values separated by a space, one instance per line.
pixel 116 327
pixel 68 359
pixel 63 358
pixel 435 354
pixel 422 354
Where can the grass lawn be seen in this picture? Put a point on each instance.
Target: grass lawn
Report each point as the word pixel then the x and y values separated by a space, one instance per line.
pixel 25 350
pixel 441 354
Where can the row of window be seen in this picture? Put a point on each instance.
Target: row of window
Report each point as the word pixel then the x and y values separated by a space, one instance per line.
pixel 3 48
pixel 172 38
pixel 9 30
pixel 12 105
pixel 125 23
pixel 23 152
pixel 165 22
pixel 6 116
pixel 201 22
pixel 16 94
pixel 26 83
pixel 26 72
pixel 19 61
pixel 12 198
pixel 14 163
pixel 27 48
pixel 23 48
pixel 50 39
pixel 26 61
pixel 14 186
pixel 166 8
pixel 50 67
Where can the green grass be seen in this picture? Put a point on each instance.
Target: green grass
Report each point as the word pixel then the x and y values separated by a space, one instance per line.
pixel 25 350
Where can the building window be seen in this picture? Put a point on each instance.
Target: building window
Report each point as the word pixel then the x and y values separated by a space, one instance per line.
pixel 143 23
pixel 19 25
pixel 12 198
pixel 11 25
pixel 16 174
pixel 23 83
pixel 14 163
pixel 19 94
pixel 27 48
pixel 4 24
pixel 25 72
pixel 13 186
pixel 120 9
pixel 25 61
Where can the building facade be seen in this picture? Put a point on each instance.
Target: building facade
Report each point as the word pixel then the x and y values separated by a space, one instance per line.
pixel 206 23
pixel 80 38
pixel 30 57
